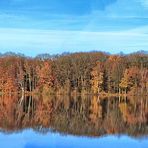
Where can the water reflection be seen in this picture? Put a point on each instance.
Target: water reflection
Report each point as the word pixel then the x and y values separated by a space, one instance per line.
pixel 31 139
pixel 87 116
pixel 73 121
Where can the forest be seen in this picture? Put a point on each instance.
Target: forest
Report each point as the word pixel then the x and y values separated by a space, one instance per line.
pixel 97 73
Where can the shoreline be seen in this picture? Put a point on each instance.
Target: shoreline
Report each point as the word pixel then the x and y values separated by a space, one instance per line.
pixel 73 94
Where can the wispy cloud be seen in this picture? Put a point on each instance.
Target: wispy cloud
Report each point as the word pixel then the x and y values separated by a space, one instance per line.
pixel 51 41
pixel 145 3
pixel 114 15
pixel 35 26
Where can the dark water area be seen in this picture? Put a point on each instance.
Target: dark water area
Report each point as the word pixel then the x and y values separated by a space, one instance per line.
pixel 73 121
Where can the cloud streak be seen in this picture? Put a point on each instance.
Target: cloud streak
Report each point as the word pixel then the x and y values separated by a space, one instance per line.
pixel 52 41
pixel 145 3
pixel 34 26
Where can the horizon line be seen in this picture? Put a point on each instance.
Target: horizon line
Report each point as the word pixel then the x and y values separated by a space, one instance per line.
pixel 11 53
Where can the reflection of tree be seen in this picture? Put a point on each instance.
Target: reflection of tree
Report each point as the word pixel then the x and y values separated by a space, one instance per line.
pixel 43 112
pixel 95 109
pixel 134 112
pixel 87 115
pixel 25 110
pixel 7 110
pixel 30 112
pixel 112 122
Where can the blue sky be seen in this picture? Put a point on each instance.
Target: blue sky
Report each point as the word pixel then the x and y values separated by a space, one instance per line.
pixel 55 26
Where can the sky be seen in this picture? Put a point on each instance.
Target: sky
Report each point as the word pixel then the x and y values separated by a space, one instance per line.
pixel 33 27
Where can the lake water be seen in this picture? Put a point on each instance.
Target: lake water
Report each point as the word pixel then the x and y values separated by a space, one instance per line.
pixel 73 122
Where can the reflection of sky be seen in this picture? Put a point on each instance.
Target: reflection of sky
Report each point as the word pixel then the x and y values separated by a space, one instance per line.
pixel 30 139
pixel 36 26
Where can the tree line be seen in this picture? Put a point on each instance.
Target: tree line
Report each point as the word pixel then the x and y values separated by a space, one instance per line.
pixel 83 72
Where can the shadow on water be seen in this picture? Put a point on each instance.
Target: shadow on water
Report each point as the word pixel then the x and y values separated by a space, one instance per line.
pixel 91 116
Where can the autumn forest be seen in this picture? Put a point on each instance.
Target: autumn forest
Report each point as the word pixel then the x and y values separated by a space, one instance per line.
pixel 76 73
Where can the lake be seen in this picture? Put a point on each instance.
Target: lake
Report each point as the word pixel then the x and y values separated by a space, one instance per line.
pixel 73 121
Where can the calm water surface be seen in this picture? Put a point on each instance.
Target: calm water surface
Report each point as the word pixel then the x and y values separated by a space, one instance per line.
pixel 73 122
